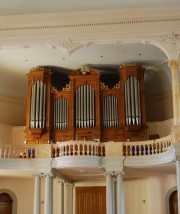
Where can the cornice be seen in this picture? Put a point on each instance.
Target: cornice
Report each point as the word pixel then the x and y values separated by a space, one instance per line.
pixel 73 30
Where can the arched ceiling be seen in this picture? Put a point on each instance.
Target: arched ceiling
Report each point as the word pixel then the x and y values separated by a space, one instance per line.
pixel 15 63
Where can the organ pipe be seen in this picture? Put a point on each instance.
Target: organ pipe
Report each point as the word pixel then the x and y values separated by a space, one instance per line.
pixel 110 111
pixel 37 112
pixel 132 101
pixel 61 113
pixel 85 114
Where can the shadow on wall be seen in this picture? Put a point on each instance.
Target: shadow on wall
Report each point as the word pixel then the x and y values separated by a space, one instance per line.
pixel 158 93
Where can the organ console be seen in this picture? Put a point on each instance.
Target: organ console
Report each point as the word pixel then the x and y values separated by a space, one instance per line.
pixel 86 108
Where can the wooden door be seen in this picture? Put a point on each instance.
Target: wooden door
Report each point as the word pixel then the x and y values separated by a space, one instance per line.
pixel 91 200
pixel 5 204
pixel 173 203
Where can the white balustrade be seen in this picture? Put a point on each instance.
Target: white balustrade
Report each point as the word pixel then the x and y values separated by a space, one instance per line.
pixel 85 148
pixel 149 147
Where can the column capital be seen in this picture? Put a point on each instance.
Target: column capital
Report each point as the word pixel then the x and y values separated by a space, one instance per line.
pixel 174 64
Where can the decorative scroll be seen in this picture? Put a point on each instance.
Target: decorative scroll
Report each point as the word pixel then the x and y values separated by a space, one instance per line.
pixel 110 111
pixel 132 101
pixel 38 105
pixel 103 86
pixel 61 113
pixel 85 107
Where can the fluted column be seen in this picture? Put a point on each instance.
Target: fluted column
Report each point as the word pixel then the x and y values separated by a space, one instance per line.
pixel 174 65
pixel 48 206
pixel 37 194
pixel 178 182
pixel 109 194
pixel 120 194
pixel 61 197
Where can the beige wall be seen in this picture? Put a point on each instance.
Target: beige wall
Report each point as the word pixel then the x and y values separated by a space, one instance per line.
pixel 159 106
pixel 12 110
pixel 148 195
pixel 142 196
pixel 23 190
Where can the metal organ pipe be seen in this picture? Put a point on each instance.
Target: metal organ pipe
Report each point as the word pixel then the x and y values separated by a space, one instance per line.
pixel 61 113
pixel 85 114
pixel 38 101
pixel 132 101
pixel 110 111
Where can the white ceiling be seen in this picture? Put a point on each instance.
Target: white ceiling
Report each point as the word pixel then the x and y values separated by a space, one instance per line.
pixel 16 62
pixel 55 6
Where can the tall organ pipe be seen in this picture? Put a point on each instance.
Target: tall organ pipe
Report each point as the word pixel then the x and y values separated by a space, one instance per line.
pixel 85 113
pixel 38 101
pixel 132 101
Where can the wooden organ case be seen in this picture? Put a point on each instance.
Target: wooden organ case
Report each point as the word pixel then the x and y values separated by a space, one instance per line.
pixel 86 108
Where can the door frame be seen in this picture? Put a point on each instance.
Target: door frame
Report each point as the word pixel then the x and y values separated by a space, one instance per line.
pixel 167 198
pixel 14 198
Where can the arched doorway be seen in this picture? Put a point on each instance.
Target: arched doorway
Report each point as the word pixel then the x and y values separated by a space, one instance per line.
pixel 173 203
pixel 5 203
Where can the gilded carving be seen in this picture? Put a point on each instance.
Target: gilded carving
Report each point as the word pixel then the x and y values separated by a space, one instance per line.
pixel 85 70
pixel 53 90
pixel 67 87
pixel 103 86
pixel 117 86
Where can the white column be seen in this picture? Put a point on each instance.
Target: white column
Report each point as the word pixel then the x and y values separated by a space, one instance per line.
pixel 61 197
pixel 178 182
pixel 74 200
pixel 48 204
pixel 109 196
pixel 37 194
pixel 68 198
pixel 174 65
pixel 114 194
pixel 120 194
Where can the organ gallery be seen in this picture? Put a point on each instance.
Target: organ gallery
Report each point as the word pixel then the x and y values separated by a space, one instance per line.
pixel 86 106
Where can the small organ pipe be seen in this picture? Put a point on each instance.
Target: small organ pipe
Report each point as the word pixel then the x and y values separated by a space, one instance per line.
pixel 88 109
pixel 32 107
pixel 40 105
pixel 93 112
pixel 44 105
pixel 132 100
pixel 37 104
pixel 77 108
pixel 136 101
pixel 81 104
pixel 126 104
pixel 139 105
pixel 128 101
pixel 84 106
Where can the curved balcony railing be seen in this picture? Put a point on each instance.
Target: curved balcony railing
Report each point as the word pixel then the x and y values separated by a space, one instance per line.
pixel 87 148
pixel 79 148
pixel 149 147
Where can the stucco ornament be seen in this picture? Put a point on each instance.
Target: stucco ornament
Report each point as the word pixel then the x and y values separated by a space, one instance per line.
pixel 172 43
pixel 69 46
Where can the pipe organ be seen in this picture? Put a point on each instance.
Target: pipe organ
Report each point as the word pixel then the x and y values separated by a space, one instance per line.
pixel 86 108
